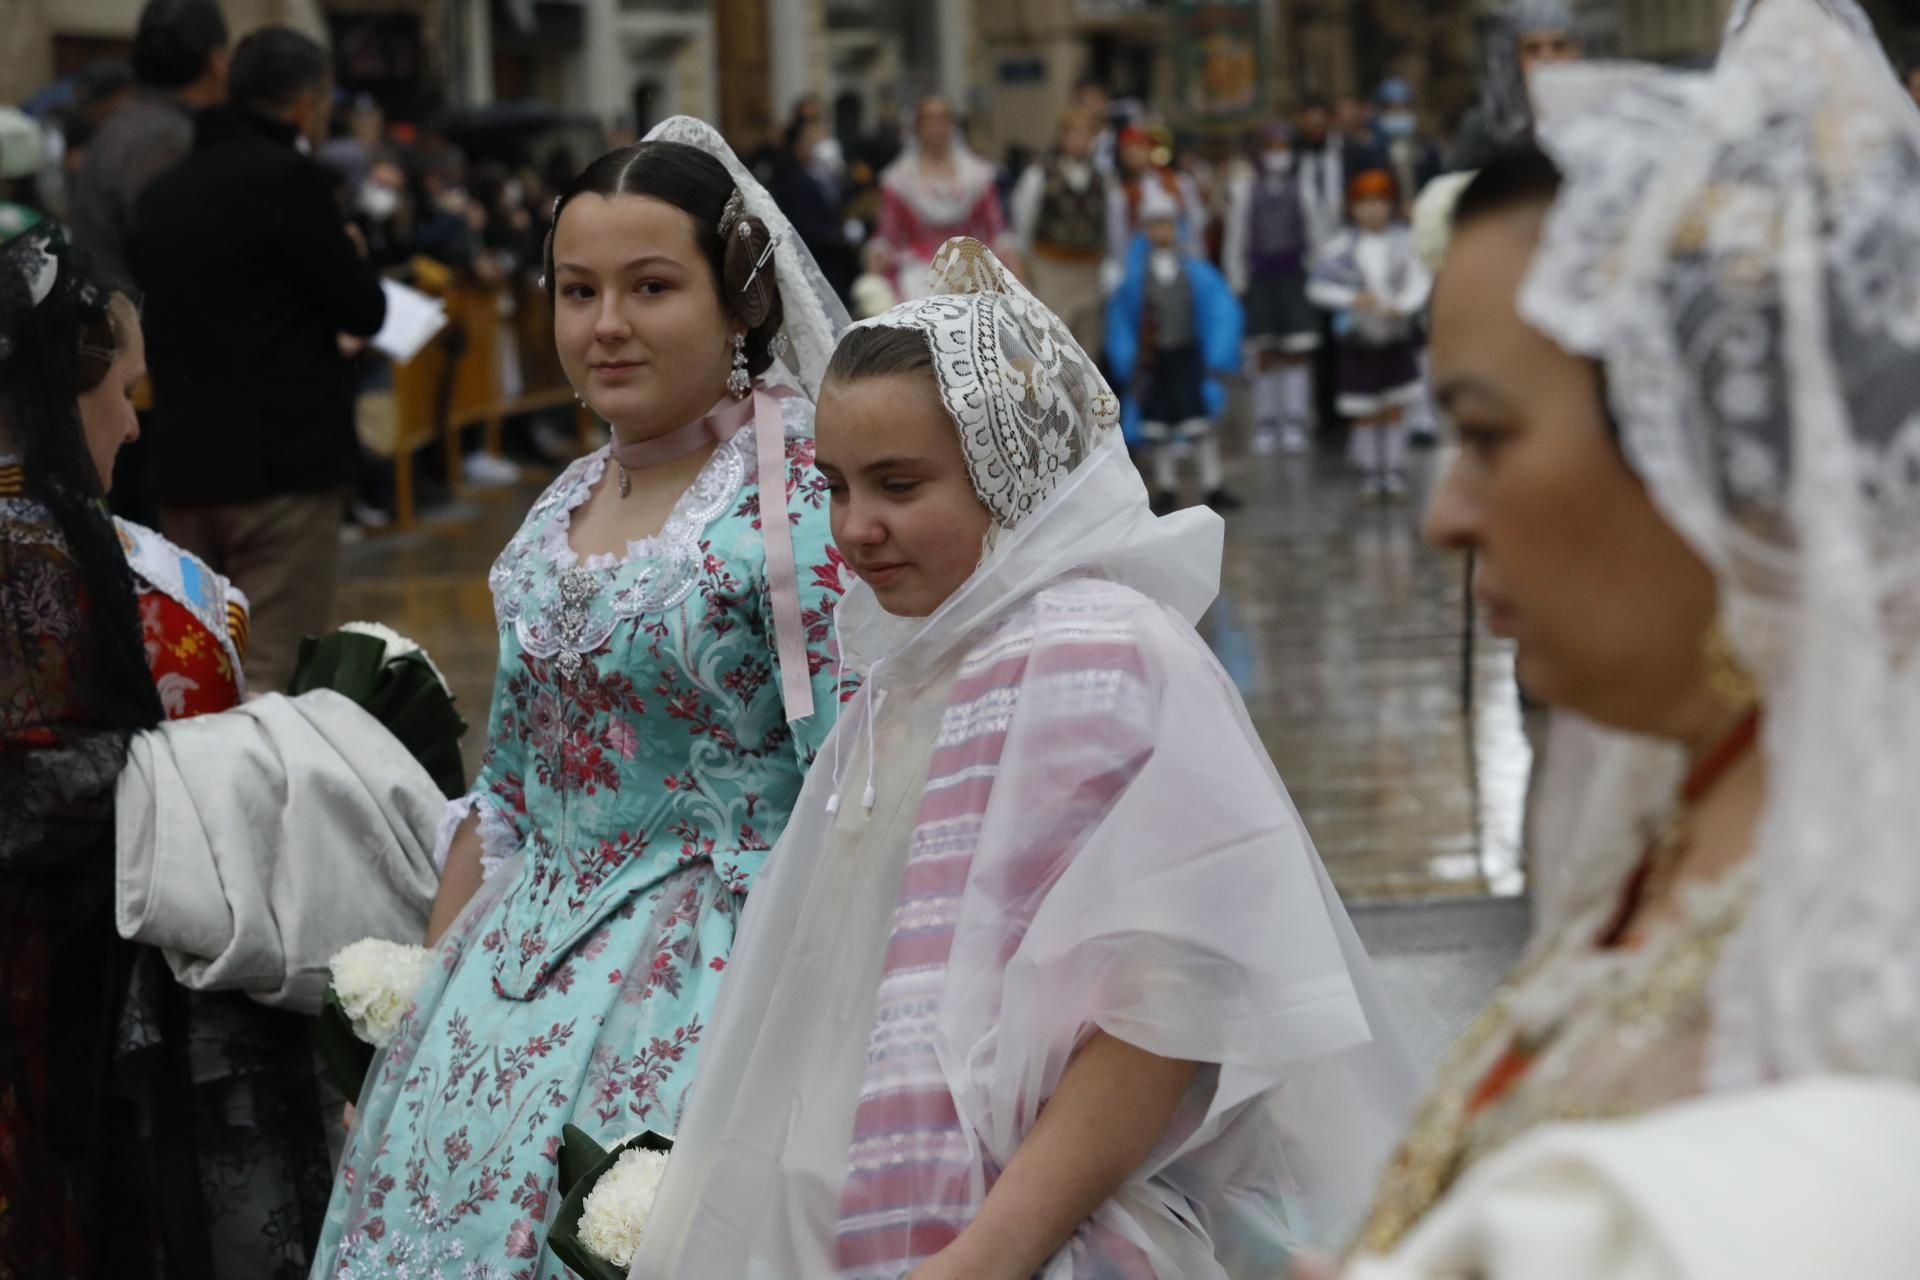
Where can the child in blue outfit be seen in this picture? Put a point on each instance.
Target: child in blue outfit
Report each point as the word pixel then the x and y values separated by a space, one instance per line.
pixel 1173 330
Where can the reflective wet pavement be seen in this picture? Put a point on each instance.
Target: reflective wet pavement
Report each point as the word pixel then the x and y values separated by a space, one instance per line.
pixel 1343 630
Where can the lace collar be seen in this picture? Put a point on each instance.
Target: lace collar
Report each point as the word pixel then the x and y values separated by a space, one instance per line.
pixel 560 602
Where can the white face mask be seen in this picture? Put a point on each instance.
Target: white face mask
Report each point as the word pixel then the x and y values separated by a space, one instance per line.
pixel 378 201
pixel 828 158
pixel 1277 161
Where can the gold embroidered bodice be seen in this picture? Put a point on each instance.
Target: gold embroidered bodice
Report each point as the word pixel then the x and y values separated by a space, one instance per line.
pixel 1578 1032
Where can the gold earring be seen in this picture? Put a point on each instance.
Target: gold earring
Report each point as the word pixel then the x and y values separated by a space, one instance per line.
pixel 1727 676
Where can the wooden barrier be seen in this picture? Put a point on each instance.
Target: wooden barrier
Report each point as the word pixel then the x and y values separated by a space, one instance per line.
pixel 457 382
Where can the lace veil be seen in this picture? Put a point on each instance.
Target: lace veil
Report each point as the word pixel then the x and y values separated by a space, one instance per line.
pixel 814 313
pixel 1029 403
pixel 1740 248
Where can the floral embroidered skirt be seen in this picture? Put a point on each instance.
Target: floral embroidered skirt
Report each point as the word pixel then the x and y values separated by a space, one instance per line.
pixel 452 1165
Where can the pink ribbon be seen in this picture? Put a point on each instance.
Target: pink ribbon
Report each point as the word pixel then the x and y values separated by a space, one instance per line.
pixel 783 577
pixel 720 425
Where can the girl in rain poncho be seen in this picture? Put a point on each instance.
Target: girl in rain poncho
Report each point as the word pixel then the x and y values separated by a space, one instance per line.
pixel 1048 979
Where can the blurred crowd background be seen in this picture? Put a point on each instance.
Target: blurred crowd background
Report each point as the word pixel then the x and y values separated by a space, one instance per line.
pixel 453 122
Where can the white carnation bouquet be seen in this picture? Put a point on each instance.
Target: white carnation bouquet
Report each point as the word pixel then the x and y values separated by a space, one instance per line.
pixel 608 1201
pixel 621 1202
pixel 375 982
pixel 373 988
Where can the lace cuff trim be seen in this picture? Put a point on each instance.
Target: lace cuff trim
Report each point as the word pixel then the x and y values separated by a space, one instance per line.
pixel 499 840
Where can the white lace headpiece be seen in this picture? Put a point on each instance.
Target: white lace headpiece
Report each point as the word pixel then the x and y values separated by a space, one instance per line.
pixel 1740 249
pixel 813 315
pixel 1029 404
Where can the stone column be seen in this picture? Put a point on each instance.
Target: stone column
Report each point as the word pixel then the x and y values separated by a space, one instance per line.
pixel 795 31
pixel 607 73
pixel 956 51
pixel 476 23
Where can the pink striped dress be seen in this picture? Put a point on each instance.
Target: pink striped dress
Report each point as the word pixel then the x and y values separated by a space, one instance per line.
pixel 915 1177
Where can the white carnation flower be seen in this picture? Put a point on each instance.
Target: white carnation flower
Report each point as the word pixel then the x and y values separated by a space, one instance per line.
pixel 1433 216
pixel 398 646
pixel 621 1203
pixel 376 982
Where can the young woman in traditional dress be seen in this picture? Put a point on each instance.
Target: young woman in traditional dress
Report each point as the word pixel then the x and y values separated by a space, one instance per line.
pixel 1047 979
pixel 938 188
pixel 665 681
pixel 144 1129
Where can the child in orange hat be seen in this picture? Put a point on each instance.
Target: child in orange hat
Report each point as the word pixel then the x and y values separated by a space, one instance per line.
pixel 1371 277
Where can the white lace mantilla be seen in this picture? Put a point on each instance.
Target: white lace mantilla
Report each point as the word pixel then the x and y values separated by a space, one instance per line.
pixel 1029 403
pixel 1740 251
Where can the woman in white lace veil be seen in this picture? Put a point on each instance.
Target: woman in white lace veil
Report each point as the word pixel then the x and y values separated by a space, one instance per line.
pixel 1737 253
pixel 1044 863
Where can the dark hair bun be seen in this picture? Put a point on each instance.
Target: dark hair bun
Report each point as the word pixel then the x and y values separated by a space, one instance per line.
pixel 752 291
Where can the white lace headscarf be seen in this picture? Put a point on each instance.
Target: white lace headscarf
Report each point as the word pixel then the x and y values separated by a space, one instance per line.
pixel 1029 403
pixel 812 313
pixel 1740 249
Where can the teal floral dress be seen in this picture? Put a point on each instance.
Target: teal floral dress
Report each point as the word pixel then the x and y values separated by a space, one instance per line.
pixel 639 769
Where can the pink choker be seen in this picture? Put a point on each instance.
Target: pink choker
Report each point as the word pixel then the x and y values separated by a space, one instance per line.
pixel 720 425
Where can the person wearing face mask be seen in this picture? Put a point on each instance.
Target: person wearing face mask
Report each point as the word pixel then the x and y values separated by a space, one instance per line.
pixel 1267 253
pixel 1524 36
pixel 807 183
pixel 252 276
pixel 1414 160
pixel 1372 280
pixel 1405 151
pixel 380 211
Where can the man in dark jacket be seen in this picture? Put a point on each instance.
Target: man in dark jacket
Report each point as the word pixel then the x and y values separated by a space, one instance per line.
pixel 180 65
pixel 805 183
pixel 255 290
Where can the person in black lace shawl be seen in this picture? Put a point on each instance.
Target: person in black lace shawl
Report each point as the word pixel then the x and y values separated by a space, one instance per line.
pixel 113 1160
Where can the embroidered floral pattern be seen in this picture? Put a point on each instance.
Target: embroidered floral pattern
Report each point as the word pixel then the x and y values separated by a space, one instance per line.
pixel 639 768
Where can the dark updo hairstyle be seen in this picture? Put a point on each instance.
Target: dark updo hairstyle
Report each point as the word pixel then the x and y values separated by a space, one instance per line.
pixel 1519 177
pixel 699 186
pixel 51 353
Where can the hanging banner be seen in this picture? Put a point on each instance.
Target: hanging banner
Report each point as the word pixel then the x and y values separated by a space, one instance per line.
pixel 1217 53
